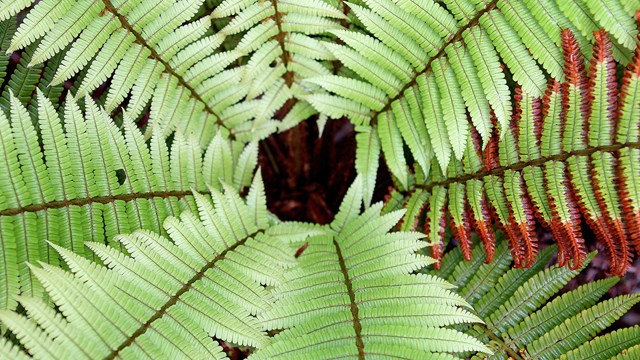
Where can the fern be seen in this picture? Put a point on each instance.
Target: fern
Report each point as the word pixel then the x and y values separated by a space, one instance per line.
pixel 569 154
pixel 422 66
pixel 167 298
pixel 143 45
pixel 91 181
pixel 525 316
pixel 162 54
pixel 351 295
pixel 24 79
pixel 131 127
pixel 170 295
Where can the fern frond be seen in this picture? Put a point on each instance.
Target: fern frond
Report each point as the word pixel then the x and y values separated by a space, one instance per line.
pixel 165 297
pixel 521 320
pixel 164 55
pixel 352 295
pixel 458 43
pixel 566 156
pixel 608 345
pixel 91 181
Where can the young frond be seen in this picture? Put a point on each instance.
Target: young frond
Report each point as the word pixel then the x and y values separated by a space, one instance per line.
pixel 353 294
pixel 165 297
pixel 569 155
pixel 526 317
pixel 91 180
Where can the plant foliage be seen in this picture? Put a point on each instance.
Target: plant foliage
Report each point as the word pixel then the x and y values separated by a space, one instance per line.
pixel 164 298
pixel 129 135
pixel 91 181
pixel 168 297
pixel 570 154
pixel 526 317
pixel 352 295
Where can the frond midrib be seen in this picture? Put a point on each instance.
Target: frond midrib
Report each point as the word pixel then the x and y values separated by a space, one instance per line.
pixel 280 38
pixel 167 67
pixel 499 171
pixel 174 299
pixel 441 51
pixel 59 204
pixel 352 299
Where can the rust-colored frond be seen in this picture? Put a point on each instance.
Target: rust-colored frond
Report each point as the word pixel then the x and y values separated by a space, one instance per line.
pixel 603 57
pixel 517 111
pixel 553 87
pixel 574 71
pixel 573 60
pixel 528 230
pixel 483 227
pixel 567 230
pixel 631 212
pixel 613 225
pixel 537 112
pixel 436 223
pixel 462 233
pixel 491 156
pixel 605 237
pixel 514 239
pixel 437 249
pixel 571 156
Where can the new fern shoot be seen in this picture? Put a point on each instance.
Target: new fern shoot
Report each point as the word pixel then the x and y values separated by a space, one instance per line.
pixel 134 221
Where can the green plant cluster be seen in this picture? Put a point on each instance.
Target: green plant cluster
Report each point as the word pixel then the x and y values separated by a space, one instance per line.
pixel 134 224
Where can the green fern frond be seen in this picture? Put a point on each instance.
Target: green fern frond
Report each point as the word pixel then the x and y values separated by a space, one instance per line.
pixel 352 295
pixel 91 181
pixel 607 346
pixel 429 67
pixel 568 155
pixel 139 43
pixel 522 322
pixel 162 54
pixel 166 297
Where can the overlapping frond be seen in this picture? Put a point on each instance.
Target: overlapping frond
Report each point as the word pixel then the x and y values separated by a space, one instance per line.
pixel 138 45
pixel 352 295
pixel 169 298
pixel 286 40
pixel 430 71
pixel 227 70
pixel 569 155
pixel 81 178
pixel 524 316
